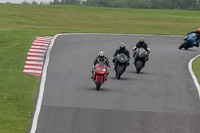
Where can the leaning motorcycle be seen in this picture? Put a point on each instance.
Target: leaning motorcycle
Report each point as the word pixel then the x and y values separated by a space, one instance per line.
pixel 188 41
pixel 99 75
pixel 140 59
pixel 121 61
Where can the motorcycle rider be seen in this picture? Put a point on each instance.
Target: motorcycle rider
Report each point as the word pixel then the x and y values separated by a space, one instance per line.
pixel 142 44
pixel 197 32
pixel 121 49
pixel 101 58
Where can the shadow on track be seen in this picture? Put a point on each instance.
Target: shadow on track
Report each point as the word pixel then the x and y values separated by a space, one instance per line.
pixel 142 73
pixel 94 89
pixel 194 50
pixel 121 78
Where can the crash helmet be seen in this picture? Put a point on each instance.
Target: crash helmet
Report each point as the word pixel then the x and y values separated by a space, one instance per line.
pixel 198 29
pixel 122 47
pixel 141 41
pixel 101 55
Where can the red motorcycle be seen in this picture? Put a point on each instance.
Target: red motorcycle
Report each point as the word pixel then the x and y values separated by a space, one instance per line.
pixel 99 75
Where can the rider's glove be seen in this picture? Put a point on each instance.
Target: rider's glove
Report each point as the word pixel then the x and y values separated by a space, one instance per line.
pixel 113 60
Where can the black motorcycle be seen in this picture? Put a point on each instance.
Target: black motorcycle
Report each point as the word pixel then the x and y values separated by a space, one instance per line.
pixel 140 59
pixel 121 61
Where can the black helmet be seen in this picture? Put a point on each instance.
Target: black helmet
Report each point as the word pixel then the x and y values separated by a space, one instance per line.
pixel 141 41
pixel 101 55
pixel 122 47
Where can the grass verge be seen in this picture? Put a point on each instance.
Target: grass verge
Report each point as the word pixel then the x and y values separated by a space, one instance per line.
pixel 20 24
pixel 195 67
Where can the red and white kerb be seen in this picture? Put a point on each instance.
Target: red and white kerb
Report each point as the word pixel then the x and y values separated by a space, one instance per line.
pixel 35 59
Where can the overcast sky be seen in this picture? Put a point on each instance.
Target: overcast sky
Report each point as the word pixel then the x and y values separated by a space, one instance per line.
pixel 20 1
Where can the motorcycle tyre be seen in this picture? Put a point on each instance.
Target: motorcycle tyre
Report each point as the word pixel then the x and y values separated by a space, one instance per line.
pixel 119 72
pixel 139 66
pixel 98 83
pixel 183 45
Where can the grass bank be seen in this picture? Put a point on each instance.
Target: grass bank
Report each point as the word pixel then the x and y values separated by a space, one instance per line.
pixel 20 24
pixel 196 66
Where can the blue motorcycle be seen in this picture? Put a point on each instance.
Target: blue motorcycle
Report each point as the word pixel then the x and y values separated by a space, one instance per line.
pixel 189 41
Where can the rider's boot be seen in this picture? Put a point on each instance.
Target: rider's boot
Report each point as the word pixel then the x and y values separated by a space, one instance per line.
pixel 92 75
pixel 106 76
pixel 197 45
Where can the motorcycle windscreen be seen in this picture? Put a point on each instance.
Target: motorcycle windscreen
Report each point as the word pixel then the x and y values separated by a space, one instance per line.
pixel 192 37
pixel 122 58
pixel 141 53
pixel 100 68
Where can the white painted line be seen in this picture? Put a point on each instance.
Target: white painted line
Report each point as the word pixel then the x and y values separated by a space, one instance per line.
pixel 42 86
pixel 39 47
pixel 35 58
pixel 32 71
pixel 193 75
pixel 44 38
pixel 34 62
pixel 35 54
pixel 38 67
pixel 42 41
pixel 41 44
pixel 37 50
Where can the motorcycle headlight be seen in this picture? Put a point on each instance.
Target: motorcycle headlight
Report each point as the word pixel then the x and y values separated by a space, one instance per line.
pixel 103 70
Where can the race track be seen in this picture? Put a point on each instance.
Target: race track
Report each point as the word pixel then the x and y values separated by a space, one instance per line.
pixel 161 99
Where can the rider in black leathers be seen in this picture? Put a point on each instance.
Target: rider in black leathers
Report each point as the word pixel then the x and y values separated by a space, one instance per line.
pixel 101 58
pixel 197 32
pixel 144 45
pixel 121 49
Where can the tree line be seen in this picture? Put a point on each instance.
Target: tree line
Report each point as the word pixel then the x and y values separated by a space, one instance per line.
pixel 139 4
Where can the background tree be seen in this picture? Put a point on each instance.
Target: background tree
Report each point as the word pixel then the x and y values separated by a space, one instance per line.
pixel 24 2
pixel 34 2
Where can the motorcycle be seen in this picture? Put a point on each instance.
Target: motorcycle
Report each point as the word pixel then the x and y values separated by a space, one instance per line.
pixel 140 59
pixel 121 61
pixel 188 41
pixel 99 75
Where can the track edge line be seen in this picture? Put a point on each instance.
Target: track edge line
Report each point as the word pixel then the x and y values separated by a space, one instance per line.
pixel 42 85
pixel 193 75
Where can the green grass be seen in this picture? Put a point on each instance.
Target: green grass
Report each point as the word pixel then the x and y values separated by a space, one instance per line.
pixel 196 66
pixel 20 24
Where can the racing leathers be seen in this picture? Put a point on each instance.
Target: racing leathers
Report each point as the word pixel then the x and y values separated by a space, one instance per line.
pixel 143 45
pixel 198 37
pixel 103 60
pixel 118 51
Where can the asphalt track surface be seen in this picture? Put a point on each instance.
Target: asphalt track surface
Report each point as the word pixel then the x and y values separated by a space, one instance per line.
pixel 161 99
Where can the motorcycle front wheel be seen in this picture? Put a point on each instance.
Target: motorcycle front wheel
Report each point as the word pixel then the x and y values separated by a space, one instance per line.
pixel 98 83
pixel 183 45
pixel 119 72
pixel 139 65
